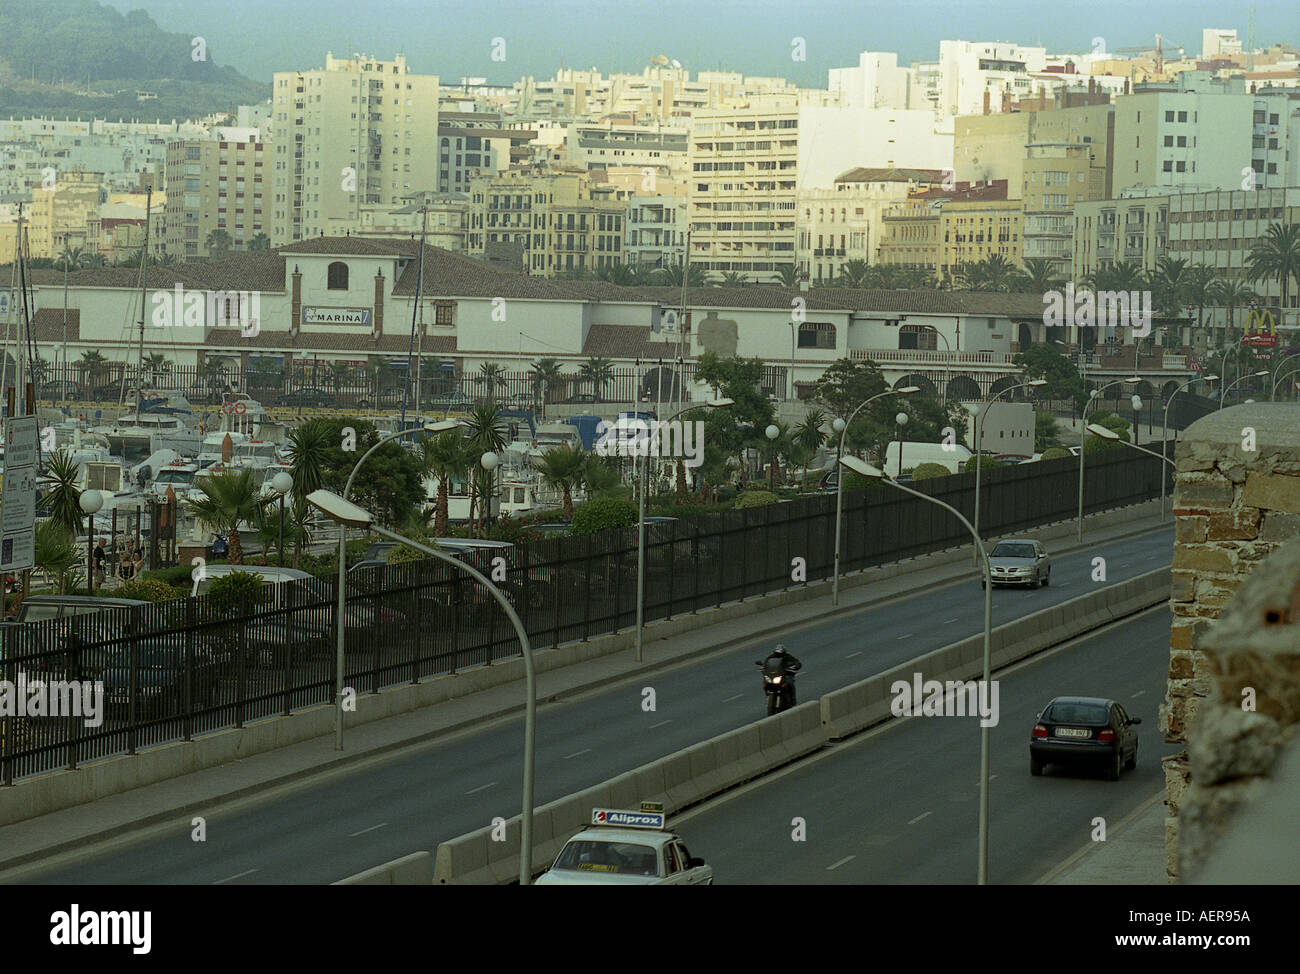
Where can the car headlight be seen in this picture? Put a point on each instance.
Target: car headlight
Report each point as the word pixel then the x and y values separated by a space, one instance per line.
pixel 150 691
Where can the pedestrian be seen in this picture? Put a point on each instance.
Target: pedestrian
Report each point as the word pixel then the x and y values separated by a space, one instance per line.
pixel 137 570
pixel 128 568
pixel 100 556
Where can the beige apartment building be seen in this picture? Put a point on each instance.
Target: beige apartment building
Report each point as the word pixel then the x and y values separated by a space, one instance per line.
pixel 913 234
pixel 211 186
pixel 990 147
pixel 442 217
pixel 1133 229
pixel 65 216
pixel 974 230
pixel 360 132
pixel 561 220
pixel 1057 177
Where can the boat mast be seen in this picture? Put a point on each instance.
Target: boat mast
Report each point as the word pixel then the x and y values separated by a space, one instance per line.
pixel 144 257
pixel 419 289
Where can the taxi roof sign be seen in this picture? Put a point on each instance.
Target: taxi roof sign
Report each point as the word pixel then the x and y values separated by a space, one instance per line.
pixel 620 818
pixel 652 806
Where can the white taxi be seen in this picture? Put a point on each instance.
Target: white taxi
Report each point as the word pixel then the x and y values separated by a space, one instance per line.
pixel 625 848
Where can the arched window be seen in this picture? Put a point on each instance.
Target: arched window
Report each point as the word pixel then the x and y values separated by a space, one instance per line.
pixel 337 276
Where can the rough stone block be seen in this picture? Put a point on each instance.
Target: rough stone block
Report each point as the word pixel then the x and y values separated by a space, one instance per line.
pixel 1182 586
pixel 1273 492
pixel 1279 526
pixel 1208 496
pixel 1241 524
pixel 1191 529
pixel 1204 559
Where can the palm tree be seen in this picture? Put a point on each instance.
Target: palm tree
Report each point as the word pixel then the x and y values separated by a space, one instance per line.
pixel 444 458
pixel 339 374
pixel 214 375
pixel 1039 276
pixel 260 241
pixel 808 434
pixel 56 556
pixel 61 499
pixel 1124 276
pixel 597 371
pixel 485 432
pixel 854 273
pixel 93 260
pixel 787 276
pixel 601 475
pixel 229 499
pixel 915 279
pixel 563 468
pixel 622 274
pixel 1231 293
pixel 308 451
pixel 994 273
pixel 156 364
pixel 733 279
pixel 1199 291
pixel 671 276
pixel 218 243
pixel 93 364
pixel 491 373
pixel 1169 283
pixel 165 259
pixel 546 373
pixel 1277 257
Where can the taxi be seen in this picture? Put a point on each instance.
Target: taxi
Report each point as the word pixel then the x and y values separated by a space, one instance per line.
pixel 624 848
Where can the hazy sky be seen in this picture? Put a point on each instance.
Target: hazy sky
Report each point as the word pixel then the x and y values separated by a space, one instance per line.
pixel 454 39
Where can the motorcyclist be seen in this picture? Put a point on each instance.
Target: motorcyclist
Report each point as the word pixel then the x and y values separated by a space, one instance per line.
pixel 788 662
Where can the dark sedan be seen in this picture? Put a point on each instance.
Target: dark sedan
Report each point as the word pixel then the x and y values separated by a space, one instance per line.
pixel 1084 731
pixel 312 398
pixel 159 666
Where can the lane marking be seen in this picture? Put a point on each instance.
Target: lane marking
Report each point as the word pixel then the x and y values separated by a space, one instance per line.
pixel 661 723
pixel 908 636
pixel 1139 693
pixel 735 697
pixel 246 872
pixel 364 831
pixel 851 655
pixel 946 621
pixel 578 754
pixel 481 788
pixel 919 817
pixel 836 865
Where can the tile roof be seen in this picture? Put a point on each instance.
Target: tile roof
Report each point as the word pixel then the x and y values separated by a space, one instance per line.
pixel 252 271
pixel 865 174
pixel 624 342
pixel 230 338
pixel 47 324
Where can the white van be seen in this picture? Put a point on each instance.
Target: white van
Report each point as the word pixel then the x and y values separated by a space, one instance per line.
pixel 953 456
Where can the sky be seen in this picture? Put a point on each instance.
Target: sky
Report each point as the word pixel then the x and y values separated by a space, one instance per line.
pixel 756 37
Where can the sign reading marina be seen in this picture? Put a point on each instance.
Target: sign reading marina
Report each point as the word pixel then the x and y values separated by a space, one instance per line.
pixel 335 316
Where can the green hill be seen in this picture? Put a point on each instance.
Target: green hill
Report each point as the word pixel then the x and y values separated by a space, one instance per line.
pixel 80 58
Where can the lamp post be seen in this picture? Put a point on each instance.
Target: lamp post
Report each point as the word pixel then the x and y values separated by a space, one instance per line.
pixel 1277 370
pixel 489 462
pixel 772 432
pixel 794 327
pixel 1286 375
pixel 1137 414
pixel 900 420
pixel 347 514
pixel 979 429
pixel 841 427
pixel 90 502
pixel 1109 434
pixel 1164 430
pixel 1249 375
pixel 281 483
pixel 340 619
pixel 640 521
pixel 1094 396
pixel 866 470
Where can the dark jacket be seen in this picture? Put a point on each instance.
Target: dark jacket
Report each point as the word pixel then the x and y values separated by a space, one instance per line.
pixel 792 664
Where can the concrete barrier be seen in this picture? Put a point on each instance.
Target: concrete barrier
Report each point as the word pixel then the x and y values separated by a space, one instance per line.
pixel 413 870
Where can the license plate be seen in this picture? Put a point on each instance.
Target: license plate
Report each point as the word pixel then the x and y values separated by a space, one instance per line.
pixel 1072 732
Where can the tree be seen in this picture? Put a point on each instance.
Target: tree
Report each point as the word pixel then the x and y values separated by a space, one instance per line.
pixel 219 243
pixel 260 241
pixel 1039 276
pixel 1046 430
pixel 1044 362
pixel 994 273
pixel 485 432
pixel 445 458
pixel 914 279
pixel 61 499
pixel 598 372
pixel 1277 257
pixel 93 363
pixel 229 499
pixel 155 365
pixel 1231 294
pixel 621 274
pixel 854 273
pixel 56 556
pixel 491 374
pixel 671 276
pixel 787 275
pixel 733 279
pixel 545 375
pixel 214 375
pixel 563 468
pixel 846 384
pixel 1199 291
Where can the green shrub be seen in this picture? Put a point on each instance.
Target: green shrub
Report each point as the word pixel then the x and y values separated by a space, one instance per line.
pixel 755 498
pixel 855 481
pixel 179 575
pixel 928 471
pixel 241 592
pixel 1055 453
pixel 603 513
pixel 147 590
pixel 404 553
pixel 985 462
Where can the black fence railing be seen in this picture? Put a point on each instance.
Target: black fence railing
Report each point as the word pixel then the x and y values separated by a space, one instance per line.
pixel 176 669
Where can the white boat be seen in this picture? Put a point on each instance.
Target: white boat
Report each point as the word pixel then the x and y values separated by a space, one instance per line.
pixel 242 418
pixel 147 432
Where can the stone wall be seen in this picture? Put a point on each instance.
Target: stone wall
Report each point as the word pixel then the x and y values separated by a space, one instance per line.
pixel 1236 500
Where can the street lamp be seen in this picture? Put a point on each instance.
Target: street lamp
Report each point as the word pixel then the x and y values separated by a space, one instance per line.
pixel 1093 397
pixel 1164 430
pixel 1273 389
pixel 900 419
pixel 720 403
pixel 866 470
pixel 347 514
pixel 979 455
pixel 489 462
pixel 340 618
pixel 281 483
pixel 1248 375
pixel 90 502
pixel 841 426
pixel 772 432
pixel 1137 414
pixel 1110 434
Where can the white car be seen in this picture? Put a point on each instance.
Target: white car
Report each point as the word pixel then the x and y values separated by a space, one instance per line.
pixel 626 856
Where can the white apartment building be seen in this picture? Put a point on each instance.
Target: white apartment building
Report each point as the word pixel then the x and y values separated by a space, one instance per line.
pixel 1218 42
pixel 656 230
pixel 601 146
pixel 974 76
pixel 360 132
pixel 878 82
pixel 444 226
pixel 748 165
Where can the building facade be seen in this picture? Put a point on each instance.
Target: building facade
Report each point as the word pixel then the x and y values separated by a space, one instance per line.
pixel 216 186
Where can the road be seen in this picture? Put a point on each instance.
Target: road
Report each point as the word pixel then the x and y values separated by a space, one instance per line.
pixel 901 804
pixel 341 823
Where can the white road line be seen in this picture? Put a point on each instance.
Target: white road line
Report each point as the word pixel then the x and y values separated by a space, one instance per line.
pixel 946 621
pixel 908 636
pixel 919 817
pixel 660 724
pixel 735 697
pixel 246 872
pixel 481 788
pixel 578 754
pixel 851 655
pixel 364 831
pixel 1139 693
pixel 836 865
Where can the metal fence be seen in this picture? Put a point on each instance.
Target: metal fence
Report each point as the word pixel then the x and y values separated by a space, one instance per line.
pixel 177 669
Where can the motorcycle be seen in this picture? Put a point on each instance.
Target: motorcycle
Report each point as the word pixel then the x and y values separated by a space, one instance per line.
pixel 778 684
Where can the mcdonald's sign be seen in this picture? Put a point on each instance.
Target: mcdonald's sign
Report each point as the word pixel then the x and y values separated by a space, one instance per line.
pixel 1261 329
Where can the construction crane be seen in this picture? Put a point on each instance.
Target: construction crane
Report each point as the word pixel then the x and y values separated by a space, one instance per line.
pixel 1158 51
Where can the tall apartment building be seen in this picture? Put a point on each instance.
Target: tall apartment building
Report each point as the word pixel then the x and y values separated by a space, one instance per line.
pixel 212 186
pixel 1133 228
pixel 975 230
pixel 978 77
pixel 1057 177
pixel 561 220
pixel 989 147
pixel 593 146
pixel 360 132
pixel 474 144
pixel 656 230
pixel 844 223
pixel 749 164
pixel 878 82
pixel 65 216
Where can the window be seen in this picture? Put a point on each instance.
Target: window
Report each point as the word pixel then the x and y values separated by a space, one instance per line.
pixel 816 334
pixel 337 276
pixel 445 313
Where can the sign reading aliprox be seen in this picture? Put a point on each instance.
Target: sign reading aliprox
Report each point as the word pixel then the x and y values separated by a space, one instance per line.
pixel 335 316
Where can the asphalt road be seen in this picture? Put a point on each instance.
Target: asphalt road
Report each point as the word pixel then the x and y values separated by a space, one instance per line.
pixel 901 804
pixel 344 822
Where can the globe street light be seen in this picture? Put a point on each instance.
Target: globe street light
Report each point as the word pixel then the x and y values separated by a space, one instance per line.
pixel 841 426
pixel 772 432
pixel 347 514
pixel 1094 396
pixel 720 403
pixel 866 470
pixel 979 424
pixel 489 462
pixel 1136 400
pixel 900 419
pixel 90 502
pixel 281 483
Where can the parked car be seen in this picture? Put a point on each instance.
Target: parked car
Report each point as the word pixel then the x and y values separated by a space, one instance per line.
pixel 90 617
pixel 311 398
pixel 158 665
pixel 1084 730
pixel 1019 561
pixel 59 389
pixel 581 397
